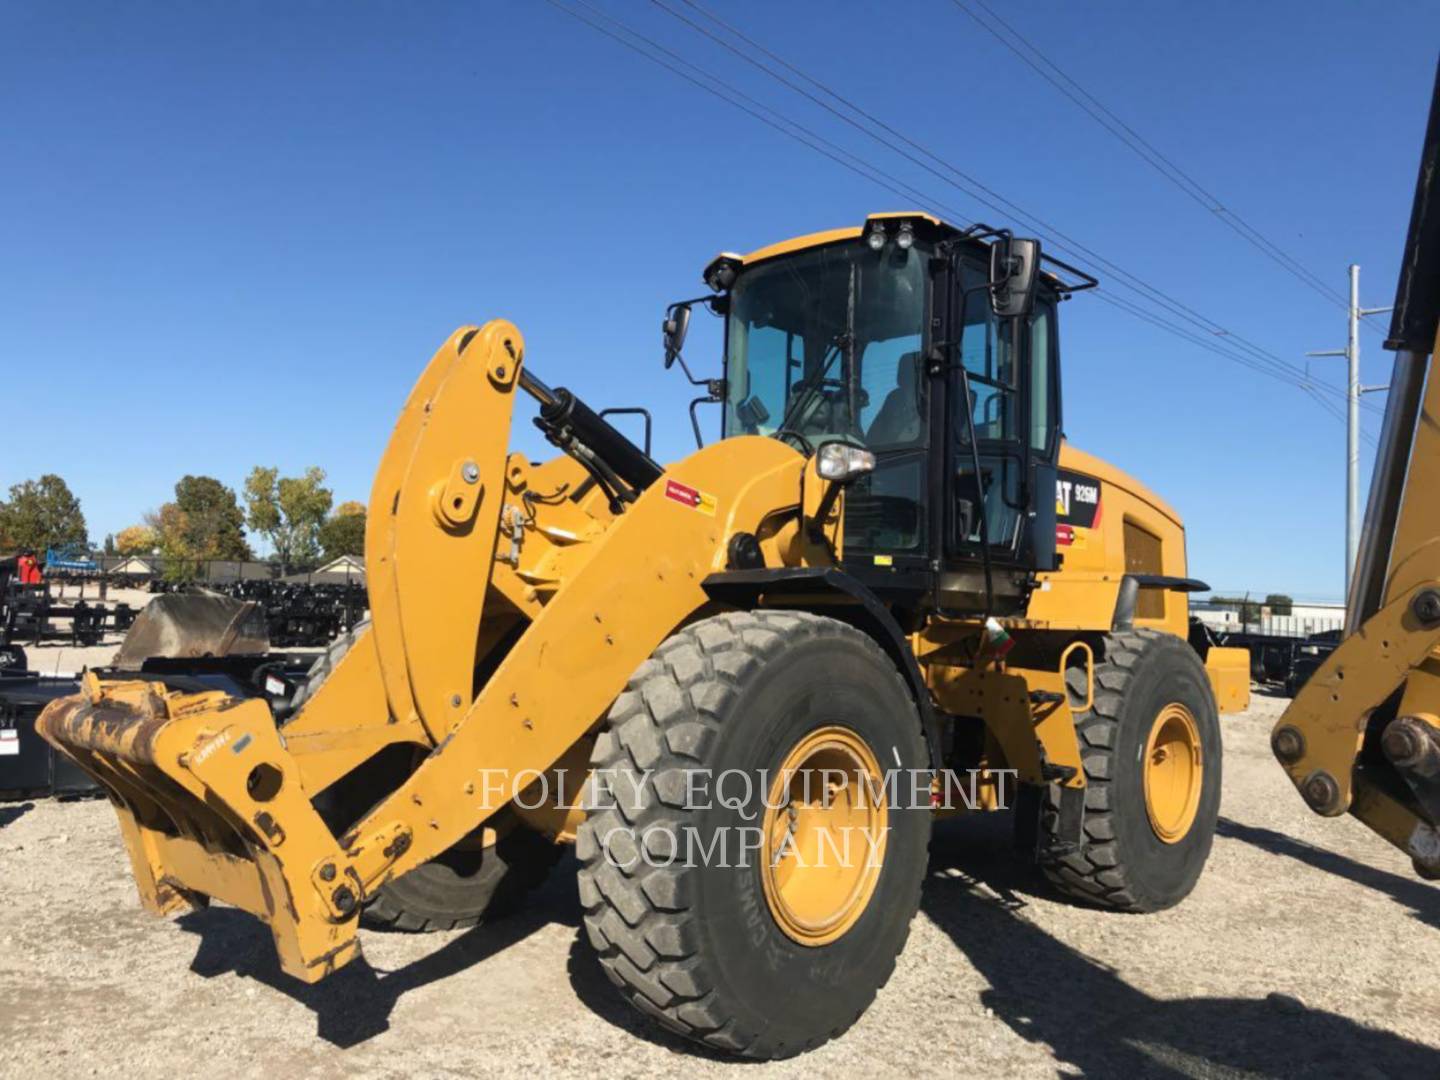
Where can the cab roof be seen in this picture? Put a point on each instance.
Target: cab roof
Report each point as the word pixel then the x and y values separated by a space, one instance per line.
pixel 927 226
pixel 828 236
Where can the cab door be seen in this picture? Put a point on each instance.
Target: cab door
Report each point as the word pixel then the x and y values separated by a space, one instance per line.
pixel 1002 396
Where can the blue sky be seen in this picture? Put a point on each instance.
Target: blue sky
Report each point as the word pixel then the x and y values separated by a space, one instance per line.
pixel 233 234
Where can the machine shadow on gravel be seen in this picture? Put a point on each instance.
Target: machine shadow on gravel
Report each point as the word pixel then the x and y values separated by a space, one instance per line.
pixel 13 812
pixel 1047 992
pixel 354 1005
pixel 1421 897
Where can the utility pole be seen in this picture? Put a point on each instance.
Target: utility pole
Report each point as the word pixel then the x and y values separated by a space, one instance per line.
pixel 1353 392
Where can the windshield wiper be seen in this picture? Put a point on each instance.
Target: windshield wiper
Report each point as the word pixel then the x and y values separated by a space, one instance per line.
pixel 810 385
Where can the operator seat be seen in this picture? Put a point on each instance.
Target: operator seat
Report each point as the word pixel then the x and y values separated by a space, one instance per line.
pixel 898 420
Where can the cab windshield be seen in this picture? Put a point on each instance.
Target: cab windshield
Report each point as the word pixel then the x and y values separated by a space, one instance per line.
pixel 826 344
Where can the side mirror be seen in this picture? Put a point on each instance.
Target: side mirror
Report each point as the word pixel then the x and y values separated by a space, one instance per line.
pixel 1014 269
pixel 675 327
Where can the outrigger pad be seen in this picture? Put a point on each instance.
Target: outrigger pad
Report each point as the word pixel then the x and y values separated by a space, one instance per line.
pixel 194 624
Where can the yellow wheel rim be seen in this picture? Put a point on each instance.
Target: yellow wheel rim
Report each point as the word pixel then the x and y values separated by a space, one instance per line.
pixel 824 835
pixel 1174 768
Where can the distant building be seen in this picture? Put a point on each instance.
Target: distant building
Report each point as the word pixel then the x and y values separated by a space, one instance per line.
pixel 1304 619
pixel 140 566
pixel 1216 618
pixel 346 570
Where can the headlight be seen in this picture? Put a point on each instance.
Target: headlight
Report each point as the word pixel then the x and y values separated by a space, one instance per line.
pixel 876 237
pixel 906 237
pixel 843 461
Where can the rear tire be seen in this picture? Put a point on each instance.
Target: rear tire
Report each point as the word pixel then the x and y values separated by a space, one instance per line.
pixel 698 943
pixel 1138 855
pixel 462 887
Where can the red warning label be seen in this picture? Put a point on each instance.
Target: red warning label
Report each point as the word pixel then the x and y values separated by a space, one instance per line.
pixel 686 495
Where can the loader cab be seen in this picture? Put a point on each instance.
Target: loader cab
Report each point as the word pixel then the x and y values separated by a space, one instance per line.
pixel 888 336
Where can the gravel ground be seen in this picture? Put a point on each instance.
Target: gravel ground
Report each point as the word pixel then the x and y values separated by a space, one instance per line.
pixel 1302 952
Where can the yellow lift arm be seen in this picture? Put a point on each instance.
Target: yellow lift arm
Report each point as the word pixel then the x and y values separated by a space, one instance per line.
pixel 215 801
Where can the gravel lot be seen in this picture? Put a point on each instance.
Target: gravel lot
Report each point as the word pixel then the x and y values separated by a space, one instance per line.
pixel 1304 951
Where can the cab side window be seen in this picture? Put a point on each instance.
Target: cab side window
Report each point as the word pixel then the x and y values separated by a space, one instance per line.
pixel 988 358
pixel 1042 366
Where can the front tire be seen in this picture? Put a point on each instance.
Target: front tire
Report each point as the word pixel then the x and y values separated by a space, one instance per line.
pixel 1151 751
pixel 751 955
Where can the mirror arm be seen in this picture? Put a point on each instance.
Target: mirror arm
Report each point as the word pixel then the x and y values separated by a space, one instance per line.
pixel 708 383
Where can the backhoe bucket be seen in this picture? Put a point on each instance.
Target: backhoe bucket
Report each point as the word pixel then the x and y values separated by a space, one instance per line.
pixel 211 806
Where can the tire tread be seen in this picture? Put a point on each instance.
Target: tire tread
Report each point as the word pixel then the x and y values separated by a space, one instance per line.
pixel 1096 874
pixel 641 923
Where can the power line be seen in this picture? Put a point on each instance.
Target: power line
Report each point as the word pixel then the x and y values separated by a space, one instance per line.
pixel 1308 388
pixel 966 183
pixel 1147 151
pixel 709 82
pixel 748 105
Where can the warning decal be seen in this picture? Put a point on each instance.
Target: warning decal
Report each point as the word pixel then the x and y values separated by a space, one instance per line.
pixel 685 495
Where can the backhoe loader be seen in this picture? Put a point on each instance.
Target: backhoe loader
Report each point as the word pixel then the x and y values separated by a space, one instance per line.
pixel 1363 735
pixel 743 683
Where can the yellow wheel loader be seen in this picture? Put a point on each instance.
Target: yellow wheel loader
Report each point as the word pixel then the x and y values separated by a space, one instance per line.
pixel 1363 735
pixel 742 684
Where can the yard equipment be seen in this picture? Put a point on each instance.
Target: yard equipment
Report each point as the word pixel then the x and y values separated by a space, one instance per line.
pixel 30 612
pixel 1362 735
pixel 194 624
pixel 29 766
pixel 69 560
pixel 890 589
pixel 303 614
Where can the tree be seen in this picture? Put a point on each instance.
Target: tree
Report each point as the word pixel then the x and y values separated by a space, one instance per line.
pixel 344 531
pixel 171 526
pixel 109 547
pixel 41 514
pixel 289 512
pixel 214 525
pixel 1279 604
pixel 204 522
pixel 136 540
